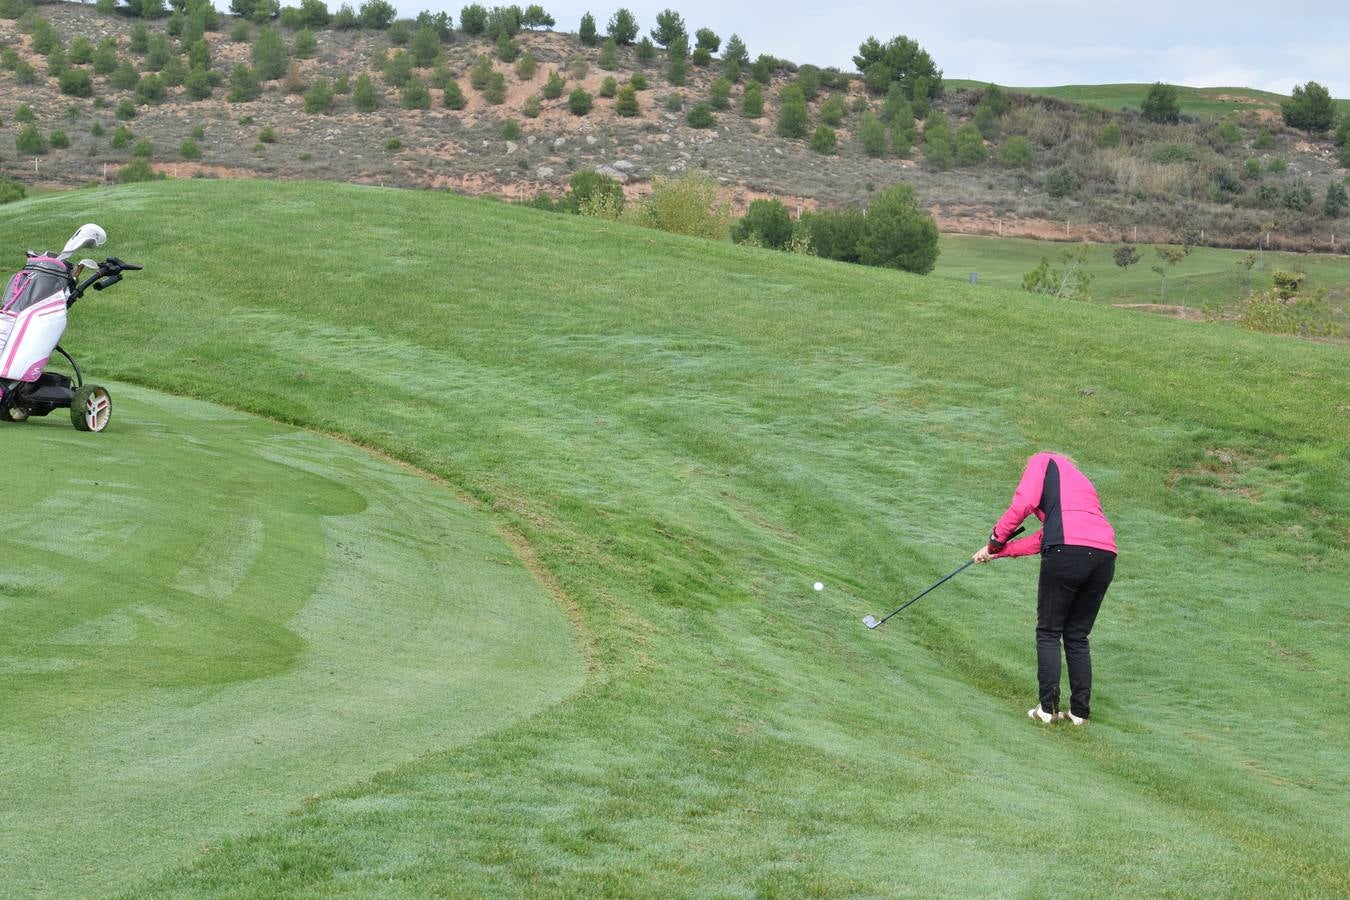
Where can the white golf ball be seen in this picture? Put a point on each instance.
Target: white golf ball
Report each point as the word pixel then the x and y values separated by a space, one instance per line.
pixel 820 586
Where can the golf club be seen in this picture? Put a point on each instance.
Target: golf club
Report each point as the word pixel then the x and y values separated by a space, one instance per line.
pixel 872 622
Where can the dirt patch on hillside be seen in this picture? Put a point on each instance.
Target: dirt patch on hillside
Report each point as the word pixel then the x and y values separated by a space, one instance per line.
pixel 1162 309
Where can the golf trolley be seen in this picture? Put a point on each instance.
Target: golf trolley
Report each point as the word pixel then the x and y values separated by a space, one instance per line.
pixel 32 320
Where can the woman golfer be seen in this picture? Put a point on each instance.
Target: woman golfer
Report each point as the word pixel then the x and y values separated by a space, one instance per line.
pixel 1078 559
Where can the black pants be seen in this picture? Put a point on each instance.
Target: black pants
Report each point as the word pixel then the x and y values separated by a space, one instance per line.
pixel 1073 582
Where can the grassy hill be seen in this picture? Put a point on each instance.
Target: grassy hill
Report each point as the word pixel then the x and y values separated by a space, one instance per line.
pixel 688 434
pixel 1207 103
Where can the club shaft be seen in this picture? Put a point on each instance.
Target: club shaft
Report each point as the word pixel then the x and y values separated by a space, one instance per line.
pixel 957 571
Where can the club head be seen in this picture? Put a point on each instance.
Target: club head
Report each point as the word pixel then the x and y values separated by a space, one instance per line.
pixel 870 621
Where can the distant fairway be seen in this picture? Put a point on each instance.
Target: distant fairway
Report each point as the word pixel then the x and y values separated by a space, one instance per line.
pixel 1199 102
pixel 1208 279
pixel 687 434
pixel 205 618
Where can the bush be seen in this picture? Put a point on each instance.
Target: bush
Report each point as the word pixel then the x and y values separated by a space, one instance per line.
pixel 579 102
pixel 415 95
pixel 143 149
pixel 269 54
pixel 376 15
pixel 1251 169
pixel 719 94
pixel 11 191
pixel 1059 182
pixel 527 67
pixel 60 140
pixel 507 49
pixel 752 101
pixel 473 19
pixel 244 85
pixel 137 170
pixel 623 27
pixel 586 33
pixel 125 76
pixel 495 92
pixel 939 147
pixel 1277 165
pixel 1229 132
pixel 588 189
pixel 319 98
pixel 684 205
pixel 674 103
pixel 126 110
pixel 425 46
pixel 638 81
pixel 306 45
pixel 239 32
pixel 1335 203
pixel 609 87
pixel 700 116
pixel 267 135
pixel 1160 104
pixel 792 116
pixel 150 90
pixel 454 97
pixel 898 233
pixel 393 144
pixel 609 55
pixel 766 223
pixel 553 88
pixel 364 97
pixel 1264 139
pixel 1015 153
pixel 627 104
pixel 77 83
pixel 645 51
pixel 1111 136
pixel 510 130
pixel 872 134
pixel 1298 197
pixel 835 233
pixel 825 141
pixel 969 146
pixel 398 69
pixel 189 149
pixel 121 137
pixel 833 110
pixel 1310 109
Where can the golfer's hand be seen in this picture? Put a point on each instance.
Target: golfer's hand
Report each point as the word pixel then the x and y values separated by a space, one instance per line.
pixel 982 555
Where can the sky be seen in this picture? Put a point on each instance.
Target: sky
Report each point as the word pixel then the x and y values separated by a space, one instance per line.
pixel 1028 44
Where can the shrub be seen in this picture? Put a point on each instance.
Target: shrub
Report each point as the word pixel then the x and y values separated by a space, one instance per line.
pixel 454 96
pixel 1281 310
pixel 342 84
pixel 835 233
pixel 719 95
pixel 189 149
pixel 1111 136
pixel 480 73
pixel 198 132
pixel 473 19
pixel 1264 139
pixel 969 146
pixel 507 49
pixel 872 134
pixel 1336 200
pixel 495 92
pixel 398 69
pixel 149 90
pixel 269 54
pixel 81 51
pixel 143 149
pixel 1251 168
pixel 60 140
pixel 364 97
pixel 577 67
pixel 627 104
pixel 638 81
pixel 1298 196
pixel 1310 109
pixel 138 169
pixel 588 188
pixel 752 101
pixel 553 88
pixel 393 144
pixel 305 44
pixel 824 141
pixel 126 110
pixel 622 27
pixel 124 77
pixel 11 191
pixel 415 95
pixel 96 129
pixel 766 223
pixel 939 147
pixel 1059 182
pixel 121 137
pixel 579 102
pixel 376 15
pixel 293 82
pixel 792 116
pixel 1073 282
pixel 1160 104
pixel 586 32
pixel 77 83
pixel 510 130
pixel 1277 165
pixel 645 51
pixel 674 103
pixel 684 205
pixel 898 233
pixel 1015 153
pixel 833 111
pixel 1229 132
pixel 267 135
pixel 808 79
pixel 526 67
pixel 609 87
pixel 700 116
pixel 319 98
pixel 425 46
pixel 244 84
pixel 609 55
pixel 239 32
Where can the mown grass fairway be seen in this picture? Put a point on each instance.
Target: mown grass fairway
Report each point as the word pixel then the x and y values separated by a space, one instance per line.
pixel 1208 279
pixel 205 617
pixel 689 434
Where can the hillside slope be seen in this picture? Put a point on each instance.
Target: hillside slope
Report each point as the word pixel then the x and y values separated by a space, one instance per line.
pixel 689 434
pixel 1159 181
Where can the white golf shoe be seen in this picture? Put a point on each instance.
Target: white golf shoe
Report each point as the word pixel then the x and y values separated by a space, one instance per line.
pixel 1037 714
pixel 1066 716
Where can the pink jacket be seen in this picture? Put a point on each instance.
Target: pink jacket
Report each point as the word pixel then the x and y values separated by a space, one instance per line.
pixel 1054 491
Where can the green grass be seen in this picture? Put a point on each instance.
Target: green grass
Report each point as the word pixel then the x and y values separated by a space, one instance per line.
pixel 688 434
pixel 206 617
pixel 1204 103
pixel 1209 278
